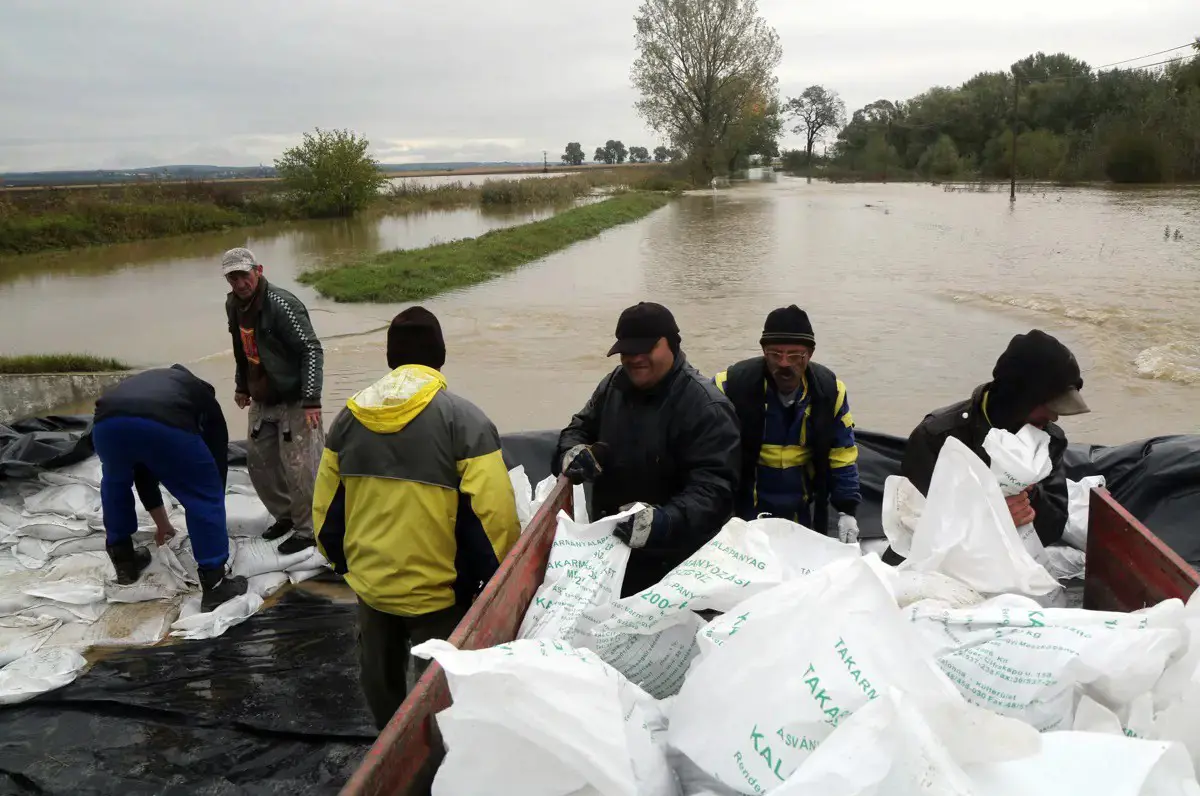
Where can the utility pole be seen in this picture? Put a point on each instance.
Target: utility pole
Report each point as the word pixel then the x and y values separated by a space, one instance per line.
pixel 1012 187
pixel 545 163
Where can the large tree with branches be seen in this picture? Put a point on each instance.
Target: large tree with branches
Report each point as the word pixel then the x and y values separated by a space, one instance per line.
pixel 702 66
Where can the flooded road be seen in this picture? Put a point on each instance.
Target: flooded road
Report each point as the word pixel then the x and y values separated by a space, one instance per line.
pixel 913 290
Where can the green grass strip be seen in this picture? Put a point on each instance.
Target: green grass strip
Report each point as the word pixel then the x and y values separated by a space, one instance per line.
pixel 413 274
pixel 59 363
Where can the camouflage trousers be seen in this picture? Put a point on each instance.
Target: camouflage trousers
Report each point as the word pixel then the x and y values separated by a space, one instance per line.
pixel 283 454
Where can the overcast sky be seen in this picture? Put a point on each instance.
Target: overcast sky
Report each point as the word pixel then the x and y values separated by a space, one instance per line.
pixel 123 83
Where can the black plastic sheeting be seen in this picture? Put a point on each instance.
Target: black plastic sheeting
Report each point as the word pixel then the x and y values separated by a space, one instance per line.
pixel 270 707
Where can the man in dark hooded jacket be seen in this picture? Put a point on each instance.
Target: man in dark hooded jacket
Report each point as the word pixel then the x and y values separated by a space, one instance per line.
pixel 1036 380
pixel 655 432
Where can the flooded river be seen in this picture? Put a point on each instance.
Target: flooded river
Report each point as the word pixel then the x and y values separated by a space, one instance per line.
pixel 913 290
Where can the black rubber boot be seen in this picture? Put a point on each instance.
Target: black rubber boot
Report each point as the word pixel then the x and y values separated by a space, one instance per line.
pixel 295 544
pixel 218 588
pixel 128 561
pixel 282 527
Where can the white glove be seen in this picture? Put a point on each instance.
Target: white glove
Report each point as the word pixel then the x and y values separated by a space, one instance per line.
pixel 847 529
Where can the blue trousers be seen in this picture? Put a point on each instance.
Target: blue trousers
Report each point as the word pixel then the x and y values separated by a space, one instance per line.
pixel 181 462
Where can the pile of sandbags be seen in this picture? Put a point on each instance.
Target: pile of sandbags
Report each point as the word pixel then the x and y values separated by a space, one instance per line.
pixel 58 593
pixel 826 672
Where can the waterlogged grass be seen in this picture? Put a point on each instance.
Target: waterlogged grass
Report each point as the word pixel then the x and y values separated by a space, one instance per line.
pixel 59 363
pixel 414 274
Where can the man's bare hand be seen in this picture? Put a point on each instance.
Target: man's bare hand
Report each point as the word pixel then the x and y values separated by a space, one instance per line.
pixel 241 399
pixel 164 535
pixel 313 417
pixel 1020 508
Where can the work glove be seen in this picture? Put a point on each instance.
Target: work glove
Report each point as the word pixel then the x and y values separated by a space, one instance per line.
pixel 581 463
pixel 648 527
pixel 847 529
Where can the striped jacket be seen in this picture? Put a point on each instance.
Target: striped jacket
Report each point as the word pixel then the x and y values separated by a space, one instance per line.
pixel 794 457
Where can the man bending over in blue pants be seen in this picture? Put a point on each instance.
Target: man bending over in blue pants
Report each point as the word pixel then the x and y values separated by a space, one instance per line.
pixel 165 426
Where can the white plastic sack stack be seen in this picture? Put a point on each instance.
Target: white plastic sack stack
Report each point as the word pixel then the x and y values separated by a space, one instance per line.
pixel 38 672
pixel 779 673
pixel 1018 659
pixel 650 636
pixel 967 533
pixel 536 717
pixel 1079 500
pixel 1019 461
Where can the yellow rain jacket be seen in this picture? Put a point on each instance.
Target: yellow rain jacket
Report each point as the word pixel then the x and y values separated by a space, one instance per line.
pixel 413 503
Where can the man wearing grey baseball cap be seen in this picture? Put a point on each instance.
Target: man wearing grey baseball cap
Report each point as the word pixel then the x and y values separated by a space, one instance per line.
pixel 278 375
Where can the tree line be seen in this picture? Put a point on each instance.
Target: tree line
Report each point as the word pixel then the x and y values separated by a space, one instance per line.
pixel 614 152
pixel 1072 123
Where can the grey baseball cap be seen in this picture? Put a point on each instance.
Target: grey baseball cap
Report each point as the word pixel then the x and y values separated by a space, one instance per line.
pixel 238 259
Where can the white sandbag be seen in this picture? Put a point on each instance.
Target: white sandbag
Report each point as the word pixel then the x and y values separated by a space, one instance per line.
pixel 36 553
pixel 299 576
pixel 10 517
pixel 1079 501
pixel 249 557
pixel 88 471
pixel 966 531
pixel 121 625
pixel 38 672
pixel 69 500
pixel 1014 657
pixel 245 515
pixel 68 600
pixel 52 528
pixel 523 494
pixel 650 636
pixel 898 746
pixel 237 481
pixel 1019 461
pixel 266 584
pixel 903 505
pixel 214 623
pixel 1088 764
pixel 541 493
pixel 537 717
pixel 910 587
pixel 1065 563
pixel 165 578
pixel 783 670
pixel 20 635
pixel 585 569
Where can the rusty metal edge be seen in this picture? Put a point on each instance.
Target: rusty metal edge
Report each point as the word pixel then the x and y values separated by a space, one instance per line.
pixel 1128 567
pixel 386 768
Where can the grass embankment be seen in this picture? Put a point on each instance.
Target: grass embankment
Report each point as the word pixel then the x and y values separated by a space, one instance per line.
pixel 59 363
pixel 66 218
pixel 414 274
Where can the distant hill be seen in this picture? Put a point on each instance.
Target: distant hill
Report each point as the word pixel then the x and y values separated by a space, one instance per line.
pixel 198 172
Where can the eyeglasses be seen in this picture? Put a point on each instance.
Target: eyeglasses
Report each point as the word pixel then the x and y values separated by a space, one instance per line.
pixel 787 358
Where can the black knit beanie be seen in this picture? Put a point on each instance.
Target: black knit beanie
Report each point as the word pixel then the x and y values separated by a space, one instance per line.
pixel 1034 369
pixel 415 338
pixel 788 326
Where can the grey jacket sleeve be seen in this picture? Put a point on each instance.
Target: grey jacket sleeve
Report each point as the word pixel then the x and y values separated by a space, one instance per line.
pixel 300 336
pixel 709 459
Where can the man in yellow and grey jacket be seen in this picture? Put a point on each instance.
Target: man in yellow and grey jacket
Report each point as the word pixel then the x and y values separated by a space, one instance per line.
pixel 413 504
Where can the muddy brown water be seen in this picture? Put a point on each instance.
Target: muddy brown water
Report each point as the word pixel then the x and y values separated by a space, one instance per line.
pixel 913 290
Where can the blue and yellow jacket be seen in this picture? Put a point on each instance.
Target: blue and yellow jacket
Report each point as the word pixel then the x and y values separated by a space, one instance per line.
pixel 797 456
pixel 413 502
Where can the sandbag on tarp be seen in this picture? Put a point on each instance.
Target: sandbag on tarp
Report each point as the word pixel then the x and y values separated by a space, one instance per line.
pixel 272 706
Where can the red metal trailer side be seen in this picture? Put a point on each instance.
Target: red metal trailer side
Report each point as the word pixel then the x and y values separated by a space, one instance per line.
pixel 1128 568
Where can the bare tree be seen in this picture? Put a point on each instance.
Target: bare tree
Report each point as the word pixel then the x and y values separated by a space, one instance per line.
pixel 819 111
pixel 699 64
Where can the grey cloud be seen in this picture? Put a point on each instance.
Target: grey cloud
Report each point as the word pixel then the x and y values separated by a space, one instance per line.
pixel 101 84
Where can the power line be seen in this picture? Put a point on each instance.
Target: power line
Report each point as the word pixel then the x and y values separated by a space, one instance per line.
pixel 1095 73
pixel 1140 57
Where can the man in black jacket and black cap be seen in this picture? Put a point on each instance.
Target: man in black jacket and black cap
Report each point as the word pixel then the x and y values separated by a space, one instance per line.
pixel 1036 380
pixel 798 453
pixel 654 432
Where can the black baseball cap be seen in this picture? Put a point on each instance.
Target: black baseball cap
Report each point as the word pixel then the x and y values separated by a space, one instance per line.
pixel 641 326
